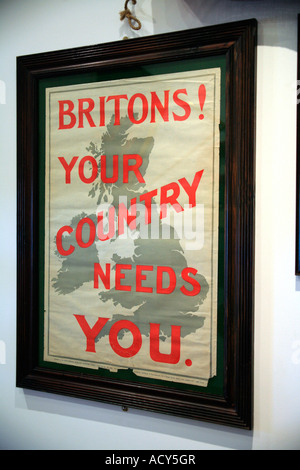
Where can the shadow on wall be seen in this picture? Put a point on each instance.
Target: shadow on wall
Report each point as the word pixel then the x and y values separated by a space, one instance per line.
pixel 197 13
pixel 200 432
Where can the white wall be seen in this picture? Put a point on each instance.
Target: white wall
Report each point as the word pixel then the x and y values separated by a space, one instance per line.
pixel 32 420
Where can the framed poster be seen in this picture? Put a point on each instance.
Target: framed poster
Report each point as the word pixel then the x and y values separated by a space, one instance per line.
pixel 135 222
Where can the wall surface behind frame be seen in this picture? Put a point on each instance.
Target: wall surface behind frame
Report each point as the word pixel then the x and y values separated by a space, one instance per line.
pixel 32 420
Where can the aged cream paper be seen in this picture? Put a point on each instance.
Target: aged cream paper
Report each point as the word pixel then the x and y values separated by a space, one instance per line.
pixel 140 295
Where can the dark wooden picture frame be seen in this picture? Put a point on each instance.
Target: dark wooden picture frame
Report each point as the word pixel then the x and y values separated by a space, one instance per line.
pixel 236 43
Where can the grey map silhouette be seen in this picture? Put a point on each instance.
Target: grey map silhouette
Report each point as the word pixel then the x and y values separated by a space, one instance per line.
pixel 77 268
